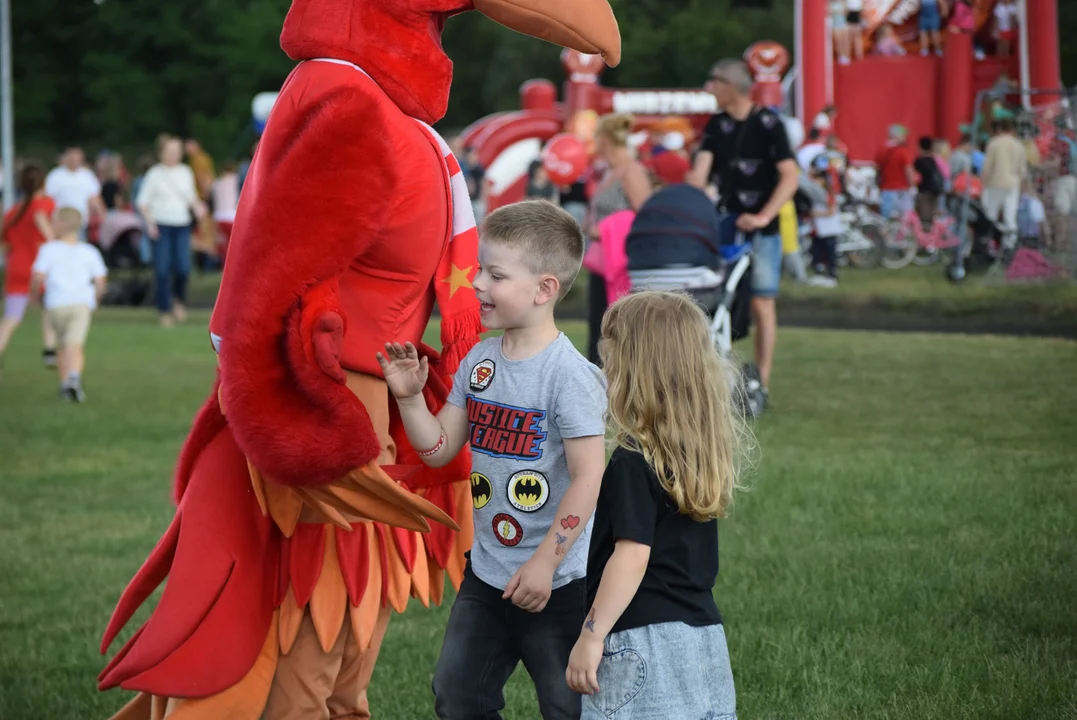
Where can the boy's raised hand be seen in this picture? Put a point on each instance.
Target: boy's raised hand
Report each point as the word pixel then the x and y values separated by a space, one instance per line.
pixel 405 373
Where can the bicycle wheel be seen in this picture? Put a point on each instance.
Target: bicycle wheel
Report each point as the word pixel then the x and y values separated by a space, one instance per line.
pixel 868 257
pixel 898 246
pixel 926 256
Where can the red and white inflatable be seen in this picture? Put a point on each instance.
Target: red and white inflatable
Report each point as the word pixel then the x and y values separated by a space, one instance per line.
pixel 509 142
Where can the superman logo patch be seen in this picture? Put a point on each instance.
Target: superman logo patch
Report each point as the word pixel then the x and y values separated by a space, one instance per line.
pixel 481 490
pixel 482 375
pixel 528 490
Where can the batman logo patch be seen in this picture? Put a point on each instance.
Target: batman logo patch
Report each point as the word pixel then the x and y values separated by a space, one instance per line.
pixel 528 490
pixel 481 490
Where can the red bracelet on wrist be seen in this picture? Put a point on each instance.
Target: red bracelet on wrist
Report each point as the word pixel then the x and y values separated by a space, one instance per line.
pixel 433 450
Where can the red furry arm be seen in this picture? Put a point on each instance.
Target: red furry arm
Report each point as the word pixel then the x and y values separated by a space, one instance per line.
pixel 320 188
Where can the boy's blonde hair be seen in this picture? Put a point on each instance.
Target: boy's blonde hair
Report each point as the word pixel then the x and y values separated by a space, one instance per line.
pixel 669 398
pixel 549 240
pixel 67 220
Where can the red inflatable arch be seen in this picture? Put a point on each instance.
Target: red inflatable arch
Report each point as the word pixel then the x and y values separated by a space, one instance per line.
pixel 509 142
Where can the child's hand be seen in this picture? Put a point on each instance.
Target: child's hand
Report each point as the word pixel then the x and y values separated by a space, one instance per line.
pixel 531 586
pixel 582 672
pixel 405 373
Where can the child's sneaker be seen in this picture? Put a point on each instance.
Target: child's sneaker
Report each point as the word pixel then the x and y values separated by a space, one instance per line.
pixel 74 390
pixel 825 281
pixel 71 389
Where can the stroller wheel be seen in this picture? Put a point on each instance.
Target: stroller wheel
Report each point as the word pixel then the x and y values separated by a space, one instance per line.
pixel 750 398
pixel 955 273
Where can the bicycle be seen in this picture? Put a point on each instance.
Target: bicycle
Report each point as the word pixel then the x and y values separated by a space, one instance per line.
pixel 907 241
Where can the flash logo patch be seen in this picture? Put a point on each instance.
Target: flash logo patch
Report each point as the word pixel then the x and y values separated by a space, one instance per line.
pixel 481 490
pixel 528 490
pixel 508 530
pixel 482 375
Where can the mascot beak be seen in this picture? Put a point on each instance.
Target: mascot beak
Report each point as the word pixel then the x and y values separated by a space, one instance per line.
pixel 585 25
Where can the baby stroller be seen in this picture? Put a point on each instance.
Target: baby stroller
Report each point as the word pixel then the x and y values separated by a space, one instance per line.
pixel 675 244
pixel 120 240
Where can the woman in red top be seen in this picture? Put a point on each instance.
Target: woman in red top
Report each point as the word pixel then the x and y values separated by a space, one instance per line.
pixel 26 228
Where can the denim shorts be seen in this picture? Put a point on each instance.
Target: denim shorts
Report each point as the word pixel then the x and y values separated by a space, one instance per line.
pixel 669 671
pixel 766 265
pixel 930 19
pixel 895 203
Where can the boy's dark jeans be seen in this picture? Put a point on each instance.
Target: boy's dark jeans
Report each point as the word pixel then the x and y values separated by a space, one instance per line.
pixel 824 253
pixel 487 637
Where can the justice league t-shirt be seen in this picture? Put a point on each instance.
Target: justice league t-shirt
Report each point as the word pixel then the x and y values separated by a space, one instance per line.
pixel 519 413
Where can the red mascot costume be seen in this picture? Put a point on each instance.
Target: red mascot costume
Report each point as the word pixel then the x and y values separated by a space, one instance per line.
pixel 302 509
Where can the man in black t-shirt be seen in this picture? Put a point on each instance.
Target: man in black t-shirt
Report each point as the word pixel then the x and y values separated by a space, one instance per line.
pixel 745 152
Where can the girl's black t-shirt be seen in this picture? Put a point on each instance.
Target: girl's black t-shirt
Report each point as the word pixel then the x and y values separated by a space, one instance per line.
pixel 683 566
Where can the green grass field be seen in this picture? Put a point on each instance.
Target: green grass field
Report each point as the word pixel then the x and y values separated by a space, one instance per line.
pixel 908 548
pixel 914 289
pixel 925 290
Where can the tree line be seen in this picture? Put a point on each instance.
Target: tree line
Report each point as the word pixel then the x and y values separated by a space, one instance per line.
pixel 118 73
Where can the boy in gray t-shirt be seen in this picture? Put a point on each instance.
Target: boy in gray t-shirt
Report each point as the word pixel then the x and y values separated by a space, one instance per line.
pixel 533 410
pixel 520 413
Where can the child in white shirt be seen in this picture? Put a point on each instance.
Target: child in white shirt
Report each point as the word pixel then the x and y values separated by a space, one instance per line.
pixel 73 275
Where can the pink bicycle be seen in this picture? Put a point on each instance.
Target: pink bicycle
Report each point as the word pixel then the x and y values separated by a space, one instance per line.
pixel 907 241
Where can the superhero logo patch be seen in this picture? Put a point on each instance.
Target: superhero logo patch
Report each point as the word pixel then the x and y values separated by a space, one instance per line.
pixel 481 375
pixel 508 530
pixel 528 490
pixel 481 490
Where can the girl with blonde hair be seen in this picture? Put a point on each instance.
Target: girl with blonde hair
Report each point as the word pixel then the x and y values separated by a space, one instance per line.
pixel 653 633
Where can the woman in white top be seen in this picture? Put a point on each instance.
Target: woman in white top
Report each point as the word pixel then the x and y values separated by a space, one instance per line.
pixel 169 203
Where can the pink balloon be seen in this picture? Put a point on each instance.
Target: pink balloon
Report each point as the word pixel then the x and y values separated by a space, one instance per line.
pixel 564 159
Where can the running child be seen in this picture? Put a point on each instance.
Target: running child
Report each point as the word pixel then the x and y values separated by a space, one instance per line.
pixel 26 228
pixel 73 275
pixel 533 410
pixel 653 646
